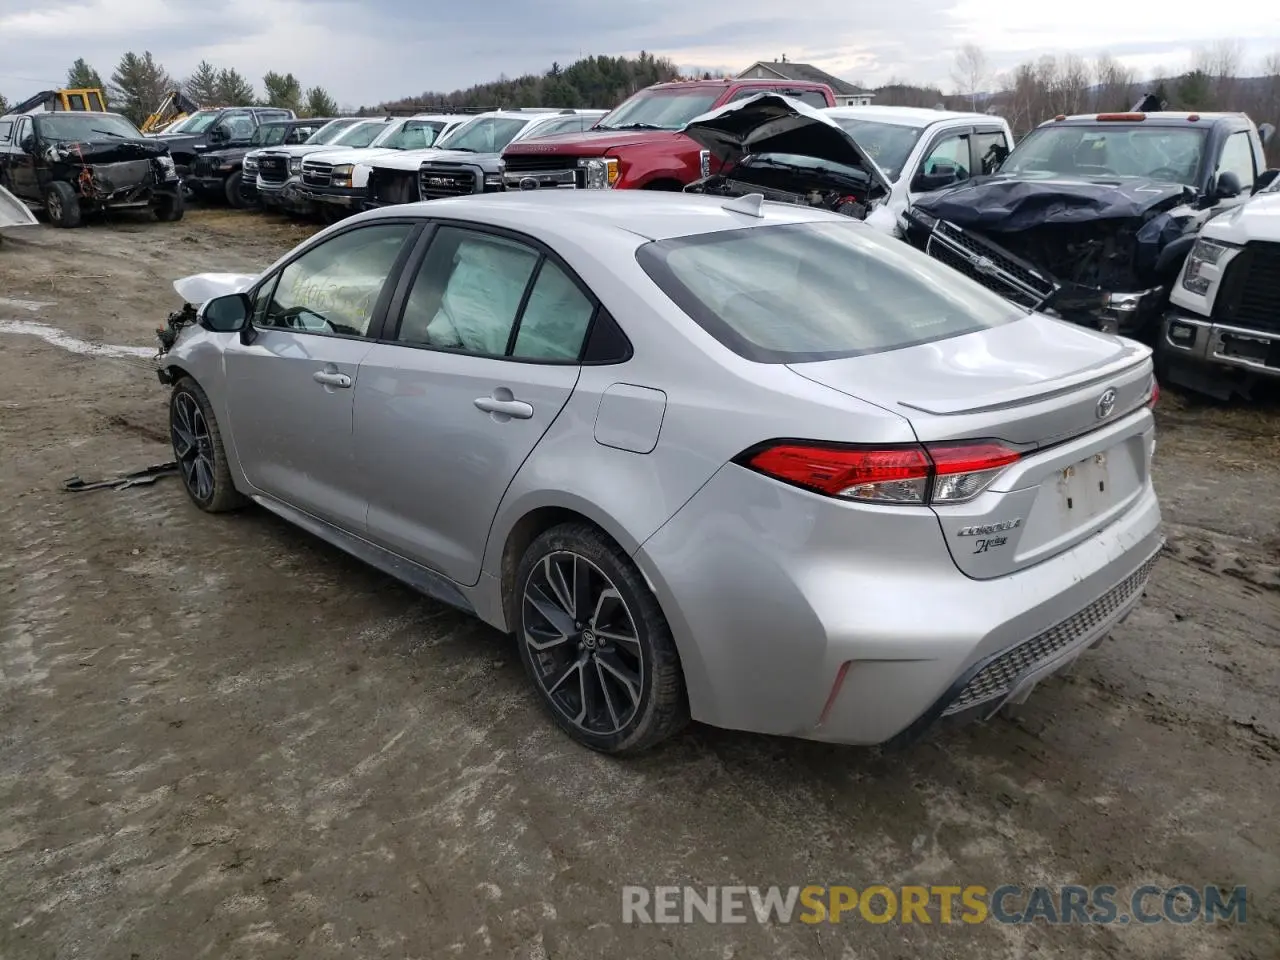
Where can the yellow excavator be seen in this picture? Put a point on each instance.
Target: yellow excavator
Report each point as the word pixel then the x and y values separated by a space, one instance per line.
pixel 87 99
pixel 174 107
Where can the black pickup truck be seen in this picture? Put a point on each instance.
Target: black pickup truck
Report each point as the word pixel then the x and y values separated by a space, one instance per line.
pixel 67 163
pixel 1091 217
pixel 220 172
pixel 215 129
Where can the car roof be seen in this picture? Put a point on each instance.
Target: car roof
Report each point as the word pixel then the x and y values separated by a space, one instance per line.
pixel 905 116
pixel 738 82
pixel 576 215
pixel 1164 118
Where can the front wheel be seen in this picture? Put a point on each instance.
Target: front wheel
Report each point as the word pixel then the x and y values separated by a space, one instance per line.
pixel 232 190
pixel 169 207
pixel 62 205
pixel 596 644
pixel 197 446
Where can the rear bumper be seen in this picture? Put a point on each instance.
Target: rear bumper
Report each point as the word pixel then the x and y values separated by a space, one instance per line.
pixel 851 623
pixel 1192 340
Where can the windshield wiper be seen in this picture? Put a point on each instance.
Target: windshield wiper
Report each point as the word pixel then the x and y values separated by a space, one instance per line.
pixel 633 126
pixel 107 133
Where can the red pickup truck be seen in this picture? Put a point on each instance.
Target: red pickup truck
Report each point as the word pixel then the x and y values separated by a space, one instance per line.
pixel 638 146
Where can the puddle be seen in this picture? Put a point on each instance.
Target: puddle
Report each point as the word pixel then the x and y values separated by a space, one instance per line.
pixel 33 305
pixel 56 337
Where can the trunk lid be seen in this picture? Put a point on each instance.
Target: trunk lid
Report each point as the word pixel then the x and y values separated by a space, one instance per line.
pixel 1072 400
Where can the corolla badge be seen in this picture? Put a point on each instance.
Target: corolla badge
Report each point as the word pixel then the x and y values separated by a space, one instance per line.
pixel 1106 403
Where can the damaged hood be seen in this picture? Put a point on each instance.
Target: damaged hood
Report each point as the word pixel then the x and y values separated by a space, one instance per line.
pixel 13 212
pixel 202 287
pixel 771 123
pixel 121 150
pixel 412 159
pixel 1009 204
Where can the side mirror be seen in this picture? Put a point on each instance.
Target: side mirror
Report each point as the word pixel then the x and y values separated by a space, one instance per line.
pixel 1265 132
pixel 1227 186
pixel 1265 179
pixel 219 133
pixel 943 175
pixel 227 314
pixel 28 144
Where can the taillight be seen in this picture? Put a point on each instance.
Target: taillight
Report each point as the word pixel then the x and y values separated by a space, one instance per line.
pixel 939 473
pixel 1155 394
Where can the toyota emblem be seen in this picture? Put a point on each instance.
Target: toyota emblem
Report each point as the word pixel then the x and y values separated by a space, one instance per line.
pixel 528 183
pixel 1106 403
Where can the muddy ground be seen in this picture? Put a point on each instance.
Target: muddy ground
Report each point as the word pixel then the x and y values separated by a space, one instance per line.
pixel 221 738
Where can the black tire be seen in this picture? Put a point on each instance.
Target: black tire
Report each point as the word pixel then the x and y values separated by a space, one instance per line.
pixel 197 446
pixel 231 189
pixel 169 207
pixel 62 205
pixel 593 643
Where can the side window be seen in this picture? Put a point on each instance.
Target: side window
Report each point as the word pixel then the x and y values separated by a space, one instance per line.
pixel 812 97
pixel 333 288
pixel 555 318
pixel 1237 158
pixel 239 125
pixel 468 292
pixel 990 149
pixel 21 130
pixel 744 92
pixel 298 134
pixel 6 128
pixel 949 151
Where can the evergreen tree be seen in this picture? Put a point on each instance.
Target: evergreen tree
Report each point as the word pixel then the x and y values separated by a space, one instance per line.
pixel 320 104
pixel 282 91
pixel 81 76
pixel 138 85
pixel 233 90
pixel 203 84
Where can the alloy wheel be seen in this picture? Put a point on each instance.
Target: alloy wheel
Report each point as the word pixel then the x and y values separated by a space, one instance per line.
pixel 193 446
pixel 54 203
pixel 583 643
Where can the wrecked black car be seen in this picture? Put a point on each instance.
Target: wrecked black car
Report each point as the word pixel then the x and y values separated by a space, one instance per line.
pixel 67 163
pixel 1091 217
pixel 787 151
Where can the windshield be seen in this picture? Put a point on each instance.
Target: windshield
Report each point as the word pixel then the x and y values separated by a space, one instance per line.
pixel 198 122
pixel 818 291
pixel 84 128
pixel 887 144
pixel 484 135
pixel 1130 150
pixel 268 135
pixel 330 131
pixel 360 135
pixel 411 135
pixel 660 109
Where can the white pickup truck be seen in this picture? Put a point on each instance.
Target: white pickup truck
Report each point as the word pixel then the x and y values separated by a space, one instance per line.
pixel 1221 333
pixel 920 150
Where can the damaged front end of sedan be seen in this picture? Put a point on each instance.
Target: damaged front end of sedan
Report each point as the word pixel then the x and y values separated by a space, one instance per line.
pixel 785 151
pixel 1101 254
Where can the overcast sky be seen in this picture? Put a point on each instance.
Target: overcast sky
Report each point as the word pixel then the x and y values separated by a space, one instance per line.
pixel 382 49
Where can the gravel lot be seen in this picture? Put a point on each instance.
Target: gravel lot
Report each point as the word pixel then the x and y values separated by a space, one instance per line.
pixel 221 738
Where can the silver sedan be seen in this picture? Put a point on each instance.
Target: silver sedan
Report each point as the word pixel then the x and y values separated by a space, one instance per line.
pixel 747 462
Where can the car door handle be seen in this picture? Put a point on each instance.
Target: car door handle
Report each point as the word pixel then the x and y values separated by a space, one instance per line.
pixel 510 408
pixel 330 379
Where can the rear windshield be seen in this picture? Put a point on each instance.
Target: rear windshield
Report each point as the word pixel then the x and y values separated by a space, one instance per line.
pixel 818 291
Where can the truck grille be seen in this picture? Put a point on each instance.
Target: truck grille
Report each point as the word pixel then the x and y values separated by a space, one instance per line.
pixel 535 171
pixel 994 268
pixel 316 174
pixel 447 180
pixel 1003 672
pixel 273 169
pixel 204 167
pixel 1250 293
pixel 388 187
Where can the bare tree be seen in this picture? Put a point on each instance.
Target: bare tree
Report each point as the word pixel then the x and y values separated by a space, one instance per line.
pixel 1220 61
pixel 1114 85
pixel 971 72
